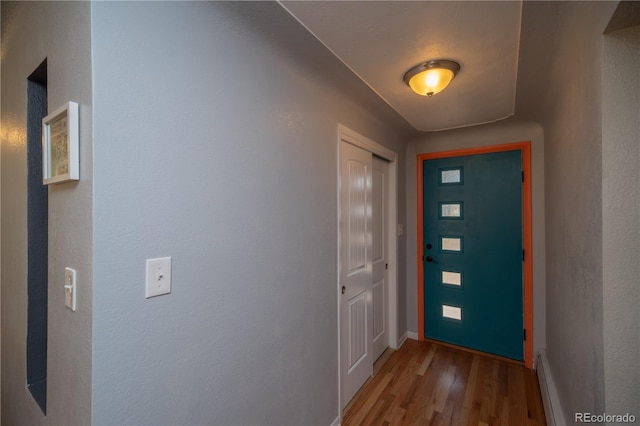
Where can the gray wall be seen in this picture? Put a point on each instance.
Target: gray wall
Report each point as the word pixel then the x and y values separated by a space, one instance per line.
pixel 59 32
pixel 216 144
pixel 492 134
pixel 621 220
pixel 559 86
pixel 0 254
pixel 1 138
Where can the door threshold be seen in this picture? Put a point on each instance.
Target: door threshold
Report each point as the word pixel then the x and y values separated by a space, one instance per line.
pixel 475 352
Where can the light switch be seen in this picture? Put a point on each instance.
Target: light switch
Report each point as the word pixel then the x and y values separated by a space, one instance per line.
pixel 70 288
pixel 158 277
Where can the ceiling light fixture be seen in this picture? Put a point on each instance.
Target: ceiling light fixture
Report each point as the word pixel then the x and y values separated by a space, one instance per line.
pixel 431 77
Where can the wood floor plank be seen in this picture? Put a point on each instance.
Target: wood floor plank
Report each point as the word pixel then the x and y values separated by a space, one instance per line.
pixel 504 411
pixel 371 399
pixel 395 415
pixel 517 397
pixel 407 377
pixel 377 413
pixel 441 392
pixel 427 361
pixel 472 383
pixel 425 383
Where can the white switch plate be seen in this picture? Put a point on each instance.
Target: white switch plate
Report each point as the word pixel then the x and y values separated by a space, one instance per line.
pixel 158 277
pixel 70 288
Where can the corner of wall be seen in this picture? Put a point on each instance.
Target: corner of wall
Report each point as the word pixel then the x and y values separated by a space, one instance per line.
pixel 31 32
pixel 621 224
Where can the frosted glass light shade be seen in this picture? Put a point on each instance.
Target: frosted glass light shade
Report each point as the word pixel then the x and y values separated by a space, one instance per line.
pixel 431 77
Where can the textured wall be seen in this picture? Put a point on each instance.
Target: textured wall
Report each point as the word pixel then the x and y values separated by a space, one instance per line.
pixel 621 220
pixel 60 32
pixel 559 86
pixel 492 134
pixel 216 143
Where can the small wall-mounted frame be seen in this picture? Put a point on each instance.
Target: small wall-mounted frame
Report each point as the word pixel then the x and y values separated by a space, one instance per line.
pixel 60 157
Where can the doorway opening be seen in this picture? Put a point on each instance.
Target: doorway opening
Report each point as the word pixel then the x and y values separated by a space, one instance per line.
pixel 527 264
pixel 37 240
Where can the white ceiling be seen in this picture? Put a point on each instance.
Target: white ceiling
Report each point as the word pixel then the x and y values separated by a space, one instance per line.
pixel 380 40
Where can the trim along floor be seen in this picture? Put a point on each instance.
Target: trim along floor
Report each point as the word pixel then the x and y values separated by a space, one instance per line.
pixel 425 383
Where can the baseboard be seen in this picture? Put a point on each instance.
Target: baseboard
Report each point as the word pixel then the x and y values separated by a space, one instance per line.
pixel 550 400
pixel 336 422
pixel 403 339
pixel 407 335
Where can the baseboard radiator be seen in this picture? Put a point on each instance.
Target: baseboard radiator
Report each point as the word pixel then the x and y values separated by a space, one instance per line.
pixel 552 407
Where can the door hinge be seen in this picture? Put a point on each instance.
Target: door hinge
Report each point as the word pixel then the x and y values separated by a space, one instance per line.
pixel 386 266
pixel 523 176
pixel 524 334
pixel 523 255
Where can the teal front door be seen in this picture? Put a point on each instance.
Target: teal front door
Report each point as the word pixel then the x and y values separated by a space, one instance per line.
pixel 473 252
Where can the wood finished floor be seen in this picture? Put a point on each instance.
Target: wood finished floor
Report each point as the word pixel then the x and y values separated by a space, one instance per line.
pixel 425 383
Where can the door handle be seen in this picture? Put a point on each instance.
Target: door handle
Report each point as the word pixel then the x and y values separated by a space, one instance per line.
pixel 344 289
pixel 431 259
